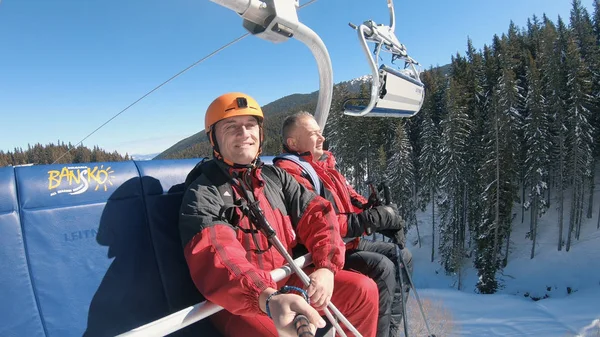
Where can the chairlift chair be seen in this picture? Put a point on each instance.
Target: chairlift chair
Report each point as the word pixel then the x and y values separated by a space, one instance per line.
pixel 394 93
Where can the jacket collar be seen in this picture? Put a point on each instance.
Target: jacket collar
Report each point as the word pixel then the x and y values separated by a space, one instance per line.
pixel 238 170
pixel 308 155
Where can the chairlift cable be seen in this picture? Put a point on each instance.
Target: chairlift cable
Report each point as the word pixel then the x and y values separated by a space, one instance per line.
pixel 164 83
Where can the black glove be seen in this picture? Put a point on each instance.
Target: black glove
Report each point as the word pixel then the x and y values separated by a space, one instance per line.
pixel 375 219
pixel 394 207
pixel 397 236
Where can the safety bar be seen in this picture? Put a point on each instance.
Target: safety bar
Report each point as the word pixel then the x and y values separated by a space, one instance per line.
pixel 363 31
pixel 193 314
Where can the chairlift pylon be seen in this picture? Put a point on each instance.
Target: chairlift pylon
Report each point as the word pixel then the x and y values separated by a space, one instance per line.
pixel 394 93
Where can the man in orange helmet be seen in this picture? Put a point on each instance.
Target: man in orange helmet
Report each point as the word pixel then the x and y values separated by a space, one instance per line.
pixel 230 259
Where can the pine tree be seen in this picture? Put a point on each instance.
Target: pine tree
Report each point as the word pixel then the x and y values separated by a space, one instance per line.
pixel 476 100
pixel 537 138
pixel 579 135
pixel 400 173
pixel 557 93
pixel 499 172
pixel 429 157
pixel 583 35
pixel 454 154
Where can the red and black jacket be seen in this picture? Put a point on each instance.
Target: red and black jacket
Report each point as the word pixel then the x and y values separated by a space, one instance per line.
pixel 229 262
pixel 335 187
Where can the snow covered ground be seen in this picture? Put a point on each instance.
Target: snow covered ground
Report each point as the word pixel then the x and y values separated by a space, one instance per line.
pixel 554 294
pixel 509 315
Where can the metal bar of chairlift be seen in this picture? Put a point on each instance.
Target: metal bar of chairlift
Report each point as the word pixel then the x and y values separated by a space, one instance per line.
pixel 276 21
pixel 375 80
pixel 200 311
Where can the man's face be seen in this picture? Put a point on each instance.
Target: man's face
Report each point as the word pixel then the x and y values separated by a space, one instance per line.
pixel 238 138
pixel 306 137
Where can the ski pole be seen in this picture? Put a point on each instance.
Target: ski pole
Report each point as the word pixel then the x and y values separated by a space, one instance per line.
pixel 259 219
pixel 302 326
pixel 404 318
pixel 386 192
pixel 412 285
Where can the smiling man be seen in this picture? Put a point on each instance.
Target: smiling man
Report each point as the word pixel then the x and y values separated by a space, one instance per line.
pixel 230 260
pixel 314 168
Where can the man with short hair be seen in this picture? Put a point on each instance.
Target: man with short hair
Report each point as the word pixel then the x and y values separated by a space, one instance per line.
pixel 230 259
pixel 303 145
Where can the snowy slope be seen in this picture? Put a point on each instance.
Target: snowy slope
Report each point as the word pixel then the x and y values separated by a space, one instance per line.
pixel 565 285
pixel 509 315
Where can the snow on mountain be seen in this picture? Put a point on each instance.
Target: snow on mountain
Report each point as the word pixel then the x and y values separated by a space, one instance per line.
pixel 144 156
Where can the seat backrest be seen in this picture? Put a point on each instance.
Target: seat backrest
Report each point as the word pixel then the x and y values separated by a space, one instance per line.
pixel 163 186
pixel 19 314
pixel 93 249
pixel 90 252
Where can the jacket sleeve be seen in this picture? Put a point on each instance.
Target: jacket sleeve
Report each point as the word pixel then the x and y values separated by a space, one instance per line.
pixel 216 259
pixel 355 197
pixel 315 223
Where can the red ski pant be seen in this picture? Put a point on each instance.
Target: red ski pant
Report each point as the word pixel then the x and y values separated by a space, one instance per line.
pixel 355 295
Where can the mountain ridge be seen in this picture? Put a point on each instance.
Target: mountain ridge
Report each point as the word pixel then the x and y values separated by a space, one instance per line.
pixel 197 145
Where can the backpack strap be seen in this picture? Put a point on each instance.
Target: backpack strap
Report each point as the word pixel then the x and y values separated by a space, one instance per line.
pixel 307 170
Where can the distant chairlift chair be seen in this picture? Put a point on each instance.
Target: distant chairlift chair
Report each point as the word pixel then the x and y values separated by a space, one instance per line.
pixel 394 93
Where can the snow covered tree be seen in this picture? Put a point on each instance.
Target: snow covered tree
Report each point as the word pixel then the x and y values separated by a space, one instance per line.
pixel 499 173
pixel 554 89
pixel 583 36
pixel 455 133
pixel 475 100
pixel 430 156
pixel 400 173
pixel 537 138
pixel 579 135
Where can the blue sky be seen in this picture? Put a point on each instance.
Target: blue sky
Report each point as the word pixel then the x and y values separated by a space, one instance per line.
pixel 67 66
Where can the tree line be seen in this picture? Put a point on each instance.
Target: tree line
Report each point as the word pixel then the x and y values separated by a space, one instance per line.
pixel 60 153
pixel 514 124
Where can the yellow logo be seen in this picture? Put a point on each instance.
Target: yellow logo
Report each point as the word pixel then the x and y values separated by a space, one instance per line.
pixel 78 179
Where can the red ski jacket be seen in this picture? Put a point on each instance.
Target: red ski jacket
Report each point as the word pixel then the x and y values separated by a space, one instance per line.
pixel 229 261
pixel 336 188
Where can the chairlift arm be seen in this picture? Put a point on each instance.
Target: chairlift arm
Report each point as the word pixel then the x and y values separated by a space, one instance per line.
pixel 390 4
pixel 276 21
pixel 305 35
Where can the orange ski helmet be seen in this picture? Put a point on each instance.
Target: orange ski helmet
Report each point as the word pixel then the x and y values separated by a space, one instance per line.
pixel 230 105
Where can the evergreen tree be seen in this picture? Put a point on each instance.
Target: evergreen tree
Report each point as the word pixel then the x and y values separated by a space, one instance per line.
pixel 430 154
pixel 556 91
pixel 583 35
pixel 454 154
pixel 476 100
pixel 537 138
pixel 499 173
pixel 400 173
pixel 579 135
pixel 39 154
